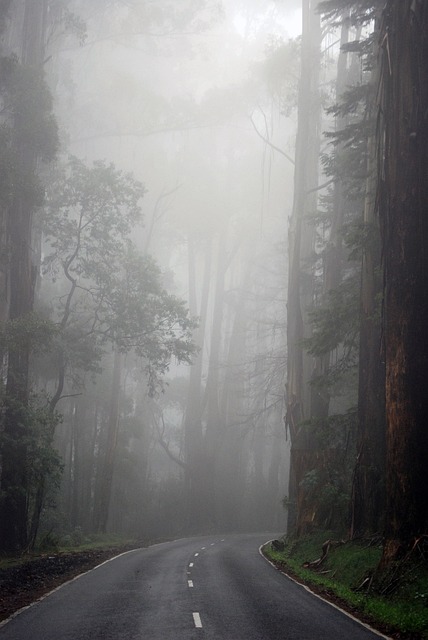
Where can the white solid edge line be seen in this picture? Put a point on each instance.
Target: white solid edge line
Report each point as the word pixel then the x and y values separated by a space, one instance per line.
pixel 197 620
pixel 44 596
pixel 346 613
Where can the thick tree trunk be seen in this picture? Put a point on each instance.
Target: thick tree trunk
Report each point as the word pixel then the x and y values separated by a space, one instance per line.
pixel 14 480
pixel 22 277
pixel 403 202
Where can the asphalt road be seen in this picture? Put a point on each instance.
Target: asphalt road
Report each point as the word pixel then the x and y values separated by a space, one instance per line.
pixel 191 589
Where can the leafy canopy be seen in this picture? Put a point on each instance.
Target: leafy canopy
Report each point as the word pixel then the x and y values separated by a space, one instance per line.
pixel 106 292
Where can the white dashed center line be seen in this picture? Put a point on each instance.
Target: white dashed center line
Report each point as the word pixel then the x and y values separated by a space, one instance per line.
pixel 190 583
pixel 191 564
pixel 196 554
pixel 202 548
pixel 212 544
pixel 197 620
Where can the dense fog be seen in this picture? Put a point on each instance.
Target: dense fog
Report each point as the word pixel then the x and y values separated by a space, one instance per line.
pixel 168 117
pixel 201 293
pixel 177 98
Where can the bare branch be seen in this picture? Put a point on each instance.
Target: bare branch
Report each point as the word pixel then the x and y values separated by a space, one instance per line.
pixel 165 445
pixel 321 186
pixel 268 142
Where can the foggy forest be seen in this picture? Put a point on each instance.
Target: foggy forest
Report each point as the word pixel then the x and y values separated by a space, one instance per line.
pixel 213 274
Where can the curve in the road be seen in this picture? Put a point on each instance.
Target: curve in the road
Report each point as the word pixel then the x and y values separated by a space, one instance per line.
pixel 191 589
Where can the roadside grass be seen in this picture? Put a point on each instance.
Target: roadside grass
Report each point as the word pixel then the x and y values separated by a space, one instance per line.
pixel 70 544
pixel 94 541
pixel 393 602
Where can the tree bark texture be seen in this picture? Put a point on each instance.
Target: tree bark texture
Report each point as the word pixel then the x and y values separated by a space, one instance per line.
pixel 403 204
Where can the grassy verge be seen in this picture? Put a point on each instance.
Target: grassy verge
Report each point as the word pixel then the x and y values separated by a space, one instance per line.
pixel 98 542
pixel 396 603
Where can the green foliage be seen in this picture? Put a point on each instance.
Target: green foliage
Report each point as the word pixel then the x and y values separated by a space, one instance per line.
pixel 48 542
pixel 43 460
pixel 30 446
pixel 335 331
pixel 147 319
pixel 335 322
pixel 37 425
pixel 89 213
pixel 353 101
pixel 325 488
pixel 360 11
pixel 106 291
pixel 32 329
pixel 92 541
pixel 327 493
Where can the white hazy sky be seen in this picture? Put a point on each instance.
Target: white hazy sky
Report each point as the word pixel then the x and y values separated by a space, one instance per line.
pixel 291 24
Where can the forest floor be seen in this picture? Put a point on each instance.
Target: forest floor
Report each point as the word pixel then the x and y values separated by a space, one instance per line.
pixel 25 582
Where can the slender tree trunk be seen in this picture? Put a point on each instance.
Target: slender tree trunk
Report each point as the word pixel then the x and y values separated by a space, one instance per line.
pixel 75 462
pixel 212 391
pixel 193 440
pixel 102 502
pixel 300 247
pixel 4 246
pixel 230 477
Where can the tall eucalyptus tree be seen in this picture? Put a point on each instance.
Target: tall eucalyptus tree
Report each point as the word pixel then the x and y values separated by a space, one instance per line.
pixel 300 248
pixel 32 139
pixel 403 200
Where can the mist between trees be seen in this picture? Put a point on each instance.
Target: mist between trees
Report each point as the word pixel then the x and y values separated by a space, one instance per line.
pixel 207 287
